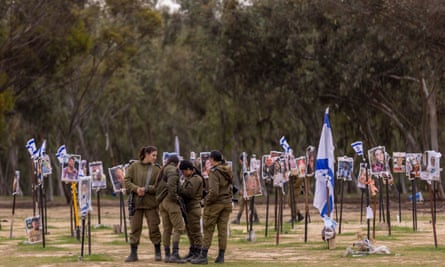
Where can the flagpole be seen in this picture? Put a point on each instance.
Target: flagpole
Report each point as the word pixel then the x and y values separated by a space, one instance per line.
pixel 388 218
pixel 306 206
pixel 414 200
pixel 292 198
pixel 341 204
pixel 267 207
pixel 367 196
pixel 328 205
pixel 433 210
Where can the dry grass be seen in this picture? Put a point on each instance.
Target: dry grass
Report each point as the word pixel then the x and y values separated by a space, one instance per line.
pixel 407 248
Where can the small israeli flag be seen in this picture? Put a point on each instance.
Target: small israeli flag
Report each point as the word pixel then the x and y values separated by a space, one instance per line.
pixel 31 146
pixel 61 151
pixel 42 149
pixel 358 147
pixel 284 144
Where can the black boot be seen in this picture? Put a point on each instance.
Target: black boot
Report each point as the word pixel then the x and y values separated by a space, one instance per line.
pixel 167 254
pixel 220 258
pixel 133 254
pixel 175 254
pixel 202 258
pixel 158 256
pixel 196 253
pixel 256 219
pixel 300 217
pixel 237 220
pixel 191 254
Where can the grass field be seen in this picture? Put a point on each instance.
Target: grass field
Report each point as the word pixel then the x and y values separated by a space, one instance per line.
pixel 408 248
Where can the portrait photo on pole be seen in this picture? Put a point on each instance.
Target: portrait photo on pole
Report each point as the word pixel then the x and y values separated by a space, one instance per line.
pixel 205 163
pixel 16 190
pixel 252 184
pixel 291 165
pixel 376 157
pixel 399 162
pixel 413 161
pixel 96 171
pixel 70 168
pixel 310 158
pixel 255 163
pixel 361 181
pixel 267 167
pixel 117 176
pixel 33 229
pixel 301 166
pixel 345 168
pixel 431 165
pixel 83 170
pixel 279 178
pixel 84 195
pixel 166 155
pixel 46 165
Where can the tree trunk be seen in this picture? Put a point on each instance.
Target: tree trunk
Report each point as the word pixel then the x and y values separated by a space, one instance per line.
pixel 430 97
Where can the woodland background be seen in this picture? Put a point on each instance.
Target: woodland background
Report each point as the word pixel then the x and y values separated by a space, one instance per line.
pixel 108 78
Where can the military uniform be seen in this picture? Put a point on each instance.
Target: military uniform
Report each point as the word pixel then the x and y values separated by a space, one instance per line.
pixel 191 192
pixel 172 220
pixel 297 185
pixel 217 209
pixel 146 206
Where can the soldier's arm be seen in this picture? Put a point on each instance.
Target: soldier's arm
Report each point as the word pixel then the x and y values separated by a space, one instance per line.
pixel 212 196
pixel 129 179
pixel 153 180
pixel 172 183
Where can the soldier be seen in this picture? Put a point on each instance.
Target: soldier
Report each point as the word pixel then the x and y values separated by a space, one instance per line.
pixel 243 202
pixel 140 180
pixel 297 184
pixel 172 221
pixel 192 192
pixel 217 207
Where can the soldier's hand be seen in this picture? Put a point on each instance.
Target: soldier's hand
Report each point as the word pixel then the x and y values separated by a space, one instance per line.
pixel 140 191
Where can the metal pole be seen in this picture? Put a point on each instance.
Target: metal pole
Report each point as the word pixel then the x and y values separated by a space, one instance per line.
pixel 388 214
pixel 267 208
pixel 341 204
pixel 306 206
pixel 98 206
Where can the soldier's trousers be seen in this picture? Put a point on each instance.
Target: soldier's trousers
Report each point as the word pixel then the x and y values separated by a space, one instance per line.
pixel 194 226
pixel 216 215
pixel 172 221
pixel 153 221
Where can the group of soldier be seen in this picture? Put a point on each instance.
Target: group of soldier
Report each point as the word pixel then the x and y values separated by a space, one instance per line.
pixel 159 194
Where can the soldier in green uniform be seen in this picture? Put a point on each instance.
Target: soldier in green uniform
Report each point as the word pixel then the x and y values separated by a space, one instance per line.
pixel 297 186
pixel 140 180
pixel 172 221
pixel 191 191
pixel 217 207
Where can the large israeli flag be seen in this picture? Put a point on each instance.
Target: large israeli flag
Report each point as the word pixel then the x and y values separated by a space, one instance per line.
pixel 324 170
